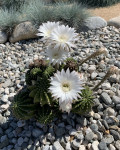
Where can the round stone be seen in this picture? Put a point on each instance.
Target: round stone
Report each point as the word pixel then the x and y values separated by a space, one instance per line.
pixel 94 127
pixel 102 146
pixel 20 141
pixel 89 136
pixel 21 123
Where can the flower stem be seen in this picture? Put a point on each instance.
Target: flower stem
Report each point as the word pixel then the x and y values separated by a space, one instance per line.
pixel 110 72
pixel 95 54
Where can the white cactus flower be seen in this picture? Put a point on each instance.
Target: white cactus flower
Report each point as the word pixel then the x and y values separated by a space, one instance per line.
pixel 66 86
pixel 64 37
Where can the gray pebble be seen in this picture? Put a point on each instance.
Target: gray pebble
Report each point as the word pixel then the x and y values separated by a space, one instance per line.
pixel 116 99
pixel 89 136
pixel 76 144
pixel 37 132
pixel 57 146
pixel 108 139
pixel 46 147
pixel 4 98
pixel 50 137
pixel 2 120
pixel 102 146
pixel 109 111
pixel 104 122
pixel 106 98
pixel 72 132
pixel 60 131
pixel 111 147
pixel 80 136
pixel 117 144
pixel 7 83
pixel 118 106
pixel 21 123
pixel 20 141
pixel 94 127
pixel 99 134
pixel 3 138
pixel 115 134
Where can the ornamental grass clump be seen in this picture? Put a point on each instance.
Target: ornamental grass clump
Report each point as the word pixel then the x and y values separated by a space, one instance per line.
pixel 13 12
pixel 54 83
pixel 8 19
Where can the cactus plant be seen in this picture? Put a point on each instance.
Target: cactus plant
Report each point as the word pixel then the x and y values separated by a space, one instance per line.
pixel 46 114
pixel 23 106
pixel 39 68
pixel 39 91
pixel 85 103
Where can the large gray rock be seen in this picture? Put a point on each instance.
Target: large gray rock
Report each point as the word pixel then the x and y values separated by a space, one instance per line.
pixel 23 31
pixel 114 22
pixel 94 23
pixel 3 37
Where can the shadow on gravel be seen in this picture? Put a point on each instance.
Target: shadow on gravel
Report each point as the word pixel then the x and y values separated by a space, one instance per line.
pixel 22 135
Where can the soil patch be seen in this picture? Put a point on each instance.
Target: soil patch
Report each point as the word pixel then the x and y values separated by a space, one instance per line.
pixel 107 12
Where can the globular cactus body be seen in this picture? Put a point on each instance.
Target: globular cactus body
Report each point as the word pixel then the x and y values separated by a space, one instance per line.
pixel 23 106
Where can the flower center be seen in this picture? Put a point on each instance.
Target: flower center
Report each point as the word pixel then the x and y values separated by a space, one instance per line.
pixel 62 38
pixel 48 33
pixel 66 87
pixel 56 56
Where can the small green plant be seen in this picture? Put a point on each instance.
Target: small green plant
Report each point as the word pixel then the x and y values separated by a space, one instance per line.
pixel 85 103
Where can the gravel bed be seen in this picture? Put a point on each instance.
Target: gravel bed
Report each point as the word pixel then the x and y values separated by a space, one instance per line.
pixel 98 130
